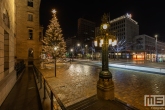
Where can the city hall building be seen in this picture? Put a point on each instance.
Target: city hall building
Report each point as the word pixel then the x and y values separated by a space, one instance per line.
pixel 20 37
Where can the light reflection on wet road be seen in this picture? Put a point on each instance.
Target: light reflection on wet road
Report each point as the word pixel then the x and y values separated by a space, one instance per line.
pixel 78 81
pixel 131 86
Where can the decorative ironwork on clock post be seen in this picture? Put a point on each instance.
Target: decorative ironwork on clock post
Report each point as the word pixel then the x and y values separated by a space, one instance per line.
pixel 105 85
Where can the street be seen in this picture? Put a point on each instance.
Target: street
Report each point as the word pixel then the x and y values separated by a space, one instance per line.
pixel 75 82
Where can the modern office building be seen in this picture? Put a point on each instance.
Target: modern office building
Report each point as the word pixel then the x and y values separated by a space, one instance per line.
pixel 71 43
pixel 141 46
pixel 124 27
pixel 86 31
pixel 146 48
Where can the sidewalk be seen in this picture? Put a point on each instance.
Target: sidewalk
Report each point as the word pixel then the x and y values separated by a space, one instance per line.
pixel 24 95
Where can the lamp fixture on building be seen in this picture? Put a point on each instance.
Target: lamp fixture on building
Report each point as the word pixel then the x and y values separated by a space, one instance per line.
pixel 78 44
pixel 55 48
pixel 156 53
pixel 71 57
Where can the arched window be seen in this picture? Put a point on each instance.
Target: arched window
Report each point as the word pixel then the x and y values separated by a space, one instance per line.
pixel 30 52
pixel 6 18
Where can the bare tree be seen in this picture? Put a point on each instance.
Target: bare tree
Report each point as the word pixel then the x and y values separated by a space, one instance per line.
pixel 92 49
pixel 121 46
pixel 79 49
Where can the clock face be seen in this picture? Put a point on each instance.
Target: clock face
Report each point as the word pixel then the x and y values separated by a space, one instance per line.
pixel 105 26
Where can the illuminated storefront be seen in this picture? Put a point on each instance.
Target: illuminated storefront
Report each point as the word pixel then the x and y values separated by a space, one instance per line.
pixel 139 56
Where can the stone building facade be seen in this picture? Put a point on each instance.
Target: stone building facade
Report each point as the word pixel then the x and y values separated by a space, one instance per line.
pixel 20 36
pixel 28 43
pixel 7 47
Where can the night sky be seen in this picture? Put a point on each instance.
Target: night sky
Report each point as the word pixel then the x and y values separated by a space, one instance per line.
pixel 150 15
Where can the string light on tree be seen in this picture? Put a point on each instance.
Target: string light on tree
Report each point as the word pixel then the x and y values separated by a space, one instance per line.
pixel 54 38
pixel 53 11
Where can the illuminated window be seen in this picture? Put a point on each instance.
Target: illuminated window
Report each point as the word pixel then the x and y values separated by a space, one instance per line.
pixel 30 34
pixel 30 3
pixel 30 17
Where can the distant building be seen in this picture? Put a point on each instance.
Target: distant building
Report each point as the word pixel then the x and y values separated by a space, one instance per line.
pixel 124 27
pixel 86 31
pixel 145 48
pixel 71 43
pixel 141 46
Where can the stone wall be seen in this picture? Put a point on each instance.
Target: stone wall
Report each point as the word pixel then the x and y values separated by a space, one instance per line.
pixel 14 42
pixel 23 42
pixel 7 47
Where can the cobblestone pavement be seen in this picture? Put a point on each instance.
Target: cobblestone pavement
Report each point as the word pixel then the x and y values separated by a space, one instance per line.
pixel 75 82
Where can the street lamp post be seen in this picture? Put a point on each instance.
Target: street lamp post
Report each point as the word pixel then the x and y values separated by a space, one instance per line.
pixel 71 55
pixel 92 54
pixel 105 85
pixel 162 51
pixel 78 45
pixel 55 48
pixel 86 47
pixel 156 53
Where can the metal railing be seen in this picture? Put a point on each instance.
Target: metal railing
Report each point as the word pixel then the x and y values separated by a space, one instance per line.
pixel 55 102
pixel 19 67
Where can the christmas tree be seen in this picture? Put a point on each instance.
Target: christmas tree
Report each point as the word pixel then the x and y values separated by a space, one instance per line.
pixel 53 40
